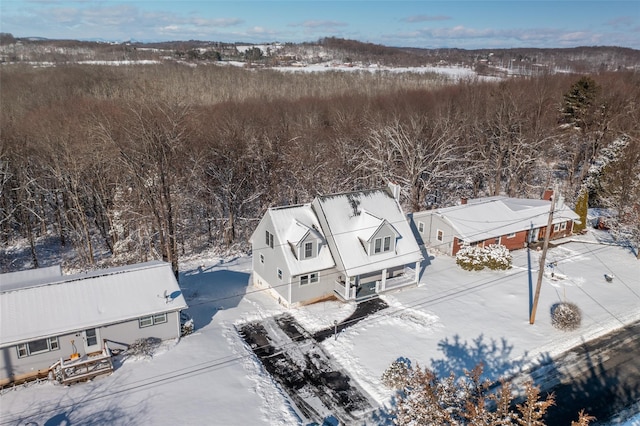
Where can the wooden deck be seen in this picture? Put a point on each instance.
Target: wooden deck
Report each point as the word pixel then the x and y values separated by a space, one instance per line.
pixel 84 368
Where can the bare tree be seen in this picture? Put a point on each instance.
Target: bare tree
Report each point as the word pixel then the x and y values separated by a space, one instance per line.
pixel 416 154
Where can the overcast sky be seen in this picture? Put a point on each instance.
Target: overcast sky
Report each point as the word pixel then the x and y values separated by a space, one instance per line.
pixel 466 24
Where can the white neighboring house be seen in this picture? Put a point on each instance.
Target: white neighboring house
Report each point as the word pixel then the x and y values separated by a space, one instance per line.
pixel 46 316
pixel 350 245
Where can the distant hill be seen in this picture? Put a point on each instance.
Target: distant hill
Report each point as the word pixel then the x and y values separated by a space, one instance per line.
pixel 523 61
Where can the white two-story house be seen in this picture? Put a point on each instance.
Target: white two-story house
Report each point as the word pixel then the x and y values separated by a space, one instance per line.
pixel 351 245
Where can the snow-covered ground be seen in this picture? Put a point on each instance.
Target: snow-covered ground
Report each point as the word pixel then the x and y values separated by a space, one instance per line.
pixel 453 320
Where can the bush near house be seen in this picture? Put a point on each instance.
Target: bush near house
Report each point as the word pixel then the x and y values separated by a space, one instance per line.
pixel 474 258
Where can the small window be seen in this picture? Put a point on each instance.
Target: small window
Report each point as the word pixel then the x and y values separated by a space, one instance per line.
pixel 377 245
pixel 556 227
pixel 308 250
pixel 280 274
pixel 387 244
pixel 563 226
pixel 269 239
pixel 53 344
pixel 145 322
pixel 440 235
pixel 22 350
pixel 266 235
pixel 261 258
pixel 420 227
pixel 511 235
pixel 314 277
pixel 160 318
pixel 92 338
pixel 304 279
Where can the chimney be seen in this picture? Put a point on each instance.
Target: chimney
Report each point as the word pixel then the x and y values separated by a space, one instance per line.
pixel 548 194
pixel 463 200
pixel 395 190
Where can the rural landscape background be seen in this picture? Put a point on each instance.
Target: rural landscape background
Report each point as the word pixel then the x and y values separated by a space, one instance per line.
pixel 126 152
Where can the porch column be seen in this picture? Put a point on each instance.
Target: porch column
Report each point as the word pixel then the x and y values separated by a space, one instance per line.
pixel 347 287
pixel 417 272
pixel 383 282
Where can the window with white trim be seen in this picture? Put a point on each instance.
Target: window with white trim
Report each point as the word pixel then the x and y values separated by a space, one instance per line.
pixel 563 226
pixel 308 250
pixel 39 346
pixel 92 337
pixel 420 227
pixel 261 258
pixel 152 320
pixel 556 227
pixel 382 245
pixel 268 239
pixel 309 278
pixel 280 274
pixel 439 235
pixel 511 235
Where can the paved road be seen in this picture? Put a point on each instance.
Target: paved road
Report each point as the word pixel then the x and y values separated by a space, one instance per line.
pixel 602 377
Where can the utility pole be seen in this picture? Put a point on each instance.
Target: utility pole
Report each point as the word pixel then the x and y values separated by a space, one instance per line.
pixel 545 246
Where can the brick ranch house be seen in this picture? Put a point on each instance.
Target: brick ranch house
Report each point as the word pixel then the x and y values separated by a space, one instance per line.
pixel 511 222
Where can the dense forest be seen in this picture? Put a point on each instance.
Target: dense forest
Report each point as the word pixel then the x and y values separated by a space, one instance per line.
pixel 131 163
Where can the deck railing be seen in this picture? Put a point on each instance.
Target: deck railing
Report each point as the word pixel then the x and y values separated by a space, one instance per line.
pixel 85 368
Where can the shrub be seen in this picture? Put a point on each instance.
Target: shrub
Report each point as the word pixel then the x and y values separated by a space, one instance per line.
pixel 143 347
pixel 565 316
pixel 470 258
pixel 474 258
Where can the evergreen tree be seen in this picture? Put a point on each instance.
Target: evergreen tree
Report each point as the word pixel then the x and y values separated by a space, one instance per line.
pixel 582 207
pixel 579 103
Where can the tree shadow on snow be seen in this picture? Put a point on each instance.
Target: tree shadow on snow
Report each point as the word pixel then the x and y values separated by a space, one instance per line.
pixel 89 404
pixel 209 290
pixel 596 386
pixel 384 415
pixel 460 356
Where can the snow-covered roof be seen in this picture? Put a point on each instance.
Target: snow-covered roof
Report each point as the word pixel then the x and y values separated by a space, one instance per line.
pixel 356 216
pixel 70 303
pixel 29 277
pixel 294 223
pixel 484 218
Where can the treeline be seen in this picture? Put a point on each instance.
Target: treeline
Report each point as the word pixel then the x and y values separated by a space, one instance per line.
pixel 131 163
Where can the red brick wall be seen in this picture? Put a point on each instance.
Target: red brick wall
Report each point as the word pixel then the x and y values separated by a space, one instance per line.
pixel 457 245
pixel 516 242
pixel 559 234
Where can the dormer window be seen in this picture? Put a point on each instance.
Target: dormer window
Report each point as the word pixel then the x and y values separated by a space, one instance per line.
pixel 382 245
pixel 308 250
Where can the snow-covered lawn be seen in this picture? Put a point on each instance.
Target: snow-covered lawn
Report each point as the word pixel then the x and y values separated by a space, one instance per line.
pixel 453 320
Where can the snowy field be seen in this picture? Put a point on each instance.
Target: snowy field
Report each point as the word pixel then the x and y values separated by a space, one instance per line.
pixel 453 320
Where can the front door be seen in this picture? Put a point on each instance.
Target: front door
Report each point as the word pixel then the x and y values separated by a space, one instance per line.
pixel 366 290
pixel 91 339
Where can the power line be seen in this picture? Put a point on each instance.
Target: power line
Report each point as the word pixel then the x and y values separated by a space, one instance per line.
pixel 185 372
